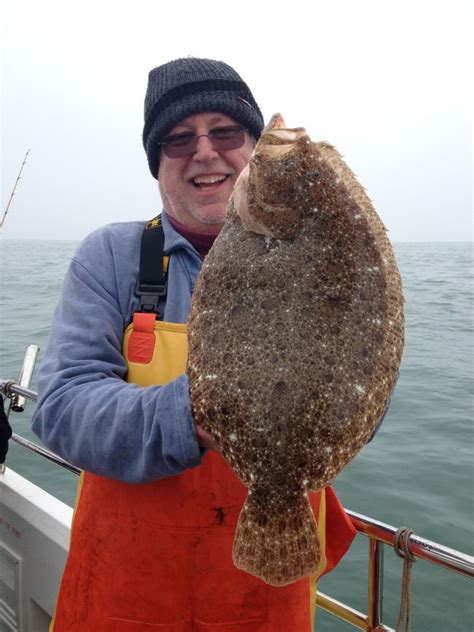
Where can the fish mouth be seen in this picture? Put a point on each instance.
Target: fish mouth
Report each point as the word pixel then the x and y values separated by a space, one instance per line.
pixel 209 182
pixel 277 140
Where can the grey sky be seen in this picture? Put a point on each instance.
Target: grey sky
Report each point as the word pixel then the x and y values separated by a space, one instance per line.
pixel 388 83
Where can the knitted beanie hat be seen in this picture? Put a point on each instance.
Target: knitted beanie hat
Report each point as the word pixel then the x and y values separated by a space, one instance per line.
pixel 189 86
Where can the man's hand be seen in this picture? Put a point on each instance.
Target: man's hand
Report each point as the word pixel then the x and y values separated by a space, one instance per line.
pixel 204 439
pixel 5 432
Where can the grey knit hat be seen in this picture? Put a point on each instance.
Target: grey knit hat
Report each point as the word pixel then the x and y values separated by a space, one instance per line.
pixel 189 86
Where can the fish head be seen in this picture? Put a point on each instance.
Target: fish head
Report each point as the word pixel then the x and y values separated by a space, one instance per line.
pixel 272 192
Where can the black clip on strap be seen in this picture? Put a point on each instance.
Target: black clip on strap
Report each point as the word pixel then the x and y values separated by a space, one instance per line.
pixel 149 297
pixel 152 282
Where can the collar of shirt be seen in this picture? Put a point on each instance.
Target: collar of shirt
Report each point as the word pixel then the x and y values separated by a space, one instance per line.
pixel 179 236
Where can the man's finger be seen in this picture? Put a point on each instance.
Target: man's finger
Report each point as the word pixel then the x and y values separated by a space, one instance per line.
pixel 204 439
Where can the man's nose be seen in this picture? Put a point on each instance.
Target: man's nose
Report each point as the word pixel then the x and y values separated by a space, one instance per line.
pixel 205 151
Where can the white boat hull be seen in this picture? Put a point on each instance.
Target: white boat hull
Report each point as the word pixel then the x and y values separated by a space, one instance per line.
pixel 34 539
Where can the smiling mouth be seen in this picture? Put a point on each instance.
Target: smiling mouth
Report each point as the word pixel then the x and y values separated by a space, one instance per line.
pixel 208 183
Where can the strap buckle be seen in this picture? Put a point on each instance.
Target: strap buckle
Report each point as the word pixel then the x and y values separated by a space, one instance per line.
pixel 149 297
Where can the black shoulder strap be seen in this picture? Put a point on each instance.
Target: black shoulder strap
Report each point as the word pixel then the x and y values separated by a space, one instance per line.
pixel 152 278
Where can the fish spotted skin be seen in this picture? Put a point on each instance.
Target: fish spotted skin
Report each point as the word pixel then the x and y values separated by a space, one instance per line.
pixel 295 339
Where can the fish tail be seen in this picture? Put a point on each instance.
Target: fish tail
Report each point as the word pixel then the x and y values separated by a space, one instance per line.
pixel 278 548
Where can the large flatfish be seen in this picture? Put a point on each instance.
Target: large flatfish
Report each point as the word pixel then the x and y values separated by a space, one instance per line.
pixel 295 340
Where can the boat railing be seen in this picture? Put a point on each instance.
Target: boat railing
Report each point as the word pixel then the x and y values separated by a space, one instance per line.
pixel 378 533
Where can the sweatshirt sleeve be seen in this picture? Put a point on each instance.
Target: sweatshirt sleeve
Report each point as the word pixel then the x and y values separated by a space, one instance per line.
pixel 87 413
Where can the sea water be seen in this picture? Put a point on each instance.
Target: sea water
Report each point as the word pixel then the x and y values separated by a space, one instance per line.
pixel 417 472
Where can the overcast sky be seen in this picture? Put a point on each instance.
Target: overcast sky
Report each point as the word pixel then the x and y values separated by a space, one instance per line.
pixel 388 83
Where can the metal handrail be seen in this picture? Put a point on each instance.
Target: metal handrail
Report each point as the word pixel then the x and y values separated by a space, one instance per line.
pixel 379 533
pixel 47 454
pixel 419 547
pixel 10 387
pixel 14 391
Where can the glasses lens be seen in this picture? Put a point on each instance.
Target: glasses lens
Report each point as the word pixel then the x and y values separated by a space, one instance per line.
pixel 231 137
pixel 179 145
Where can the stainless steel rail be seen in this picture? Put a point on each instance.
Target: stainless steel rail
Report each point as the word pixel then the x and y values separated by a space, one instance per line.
pixel 13 390
pixel 26 373
pixel 47 454
pixel 420 547
pixel 10 388
pixel 379 533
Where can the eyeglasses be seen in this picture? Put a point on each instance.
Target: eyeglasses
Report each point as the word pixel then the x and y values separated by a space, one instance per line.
pixel 222 138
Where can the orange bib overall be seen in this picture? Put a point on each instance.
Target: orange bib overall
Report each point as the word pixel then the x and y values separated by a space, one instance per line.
pixel 158 556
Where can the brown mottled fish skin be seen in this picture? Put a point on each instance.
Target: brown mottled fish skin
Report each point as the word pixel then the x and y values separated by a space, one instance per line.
pixel 295 341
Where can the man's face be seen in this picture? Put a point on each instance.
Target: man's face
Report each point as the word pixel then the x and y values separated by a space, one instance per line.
pixel 195 189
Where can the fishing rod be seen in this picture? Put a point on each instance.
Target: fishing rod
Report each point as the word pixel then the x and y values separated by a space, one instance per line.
pixel 14 189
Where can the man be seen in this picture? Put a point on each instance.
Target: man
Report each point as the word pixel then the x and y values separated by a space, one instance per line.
pixel 153 529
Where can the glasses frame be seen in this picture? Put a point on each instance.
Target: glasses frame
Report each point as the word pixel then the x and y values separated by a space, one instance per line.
pixel 189 148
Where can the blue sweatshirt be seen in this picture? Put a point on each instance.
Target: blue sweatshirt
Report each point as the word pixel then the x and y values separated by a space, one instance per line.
pixel 86 412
